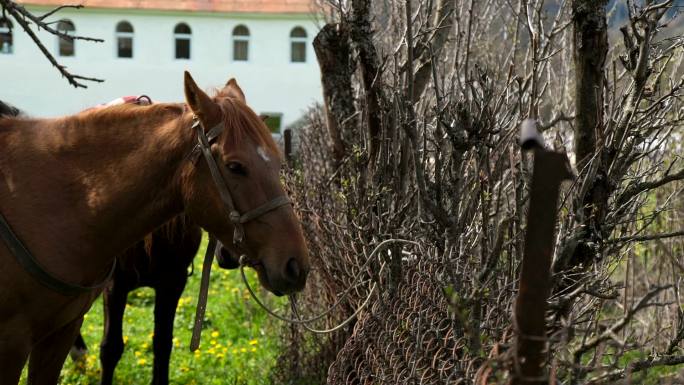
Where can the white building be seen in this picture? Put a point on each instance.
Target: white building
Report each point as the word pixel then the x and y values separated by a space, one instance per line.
pixel 264 44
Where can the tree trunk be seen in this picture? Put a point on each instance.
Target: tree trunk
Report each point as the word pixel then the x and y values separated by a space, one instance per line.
pixel 362 36
pixel 590 48
pixel 332 50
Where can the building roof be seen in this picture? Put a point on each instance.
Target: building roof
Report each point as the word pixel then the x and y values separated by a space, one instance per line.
pixel 229 6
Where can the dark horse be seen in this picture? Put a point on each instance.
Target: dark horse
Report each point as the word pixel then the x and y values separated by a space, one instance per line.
pixel 79 190
pixel 161 262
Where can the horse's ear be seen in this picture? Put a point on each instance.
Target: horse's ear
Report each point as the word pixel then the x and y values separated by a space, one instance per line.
pixel 233 90
pixel 199 102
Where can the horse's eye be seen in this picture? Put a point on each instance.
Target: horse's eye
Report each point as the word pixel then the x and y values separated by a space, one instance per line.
pixel 236 168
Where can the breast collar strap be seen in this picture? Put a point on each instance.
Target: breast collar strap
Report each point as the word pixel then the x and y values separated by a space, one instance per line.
pixel 31 265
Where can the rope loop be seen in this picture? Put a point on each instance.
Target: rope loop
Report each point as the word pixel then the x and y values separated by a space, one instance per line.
pixel 293 301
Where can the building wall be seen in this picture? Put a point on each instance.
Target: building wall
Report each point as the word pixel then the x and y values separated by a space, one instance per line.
pixel 272 84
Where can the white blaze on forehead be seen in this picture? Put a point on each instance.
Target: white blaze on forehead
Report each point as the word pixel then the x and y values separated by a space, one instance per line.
pixel 262 153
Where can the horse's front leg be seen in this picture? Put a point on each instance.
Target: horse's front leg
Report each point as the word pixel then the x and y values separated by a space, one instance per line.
pixel 13 354
pixel 48 356
pixel 165 304
pixel 112 345
pixel 79 349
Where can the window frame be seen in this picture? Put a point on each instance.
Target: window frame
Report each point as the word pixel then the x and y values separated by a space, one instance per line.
pixel 62 40
pixel 269 115
pixel 299 40
pixel 240 38
pixel 124 35
pixel 8 30
pixel 182 36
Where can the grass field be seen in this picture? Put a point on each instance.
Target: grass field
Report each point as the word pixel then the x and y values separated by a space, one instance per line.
pixel 239 342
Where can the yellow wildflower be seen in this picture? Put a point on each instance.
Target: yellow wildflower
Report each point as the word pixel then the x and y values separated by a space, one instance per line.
pixel 254 349
pixel 253 342
pixel 243 350
pixel 137 353
pixel 142 361
pixel 125 339
pixel 215 334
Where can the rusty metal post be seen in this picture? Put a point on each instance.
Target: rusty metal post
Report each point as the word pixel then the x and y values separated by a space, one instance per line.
pixel 550 169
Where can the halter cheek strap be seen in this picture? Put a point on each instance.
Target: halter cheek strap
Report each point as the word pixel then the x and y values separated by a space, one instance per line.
pixel 203 147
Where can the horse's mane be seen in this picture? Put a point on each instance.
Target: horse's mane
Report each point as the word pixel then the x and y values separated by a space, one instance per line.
pixel 240 122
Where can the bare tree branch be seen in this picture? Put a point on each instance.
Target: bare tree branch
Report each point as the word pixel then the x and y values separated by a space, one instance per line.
pixel 610 333
pixel 644 238
pixel 640 187
pixel 20 14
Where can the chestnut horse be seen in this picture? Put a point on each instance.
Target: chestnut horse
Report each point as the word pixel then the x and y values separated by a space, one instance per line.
pixel 160 261
pixel 78 191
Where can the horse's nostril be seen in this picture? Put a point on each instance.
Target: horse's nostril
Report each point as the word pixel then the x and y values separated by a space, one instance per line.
pixel 292 270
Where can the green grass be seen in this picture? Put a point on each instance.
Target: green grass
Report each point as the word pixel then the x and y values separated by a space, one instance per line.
pixel 239 340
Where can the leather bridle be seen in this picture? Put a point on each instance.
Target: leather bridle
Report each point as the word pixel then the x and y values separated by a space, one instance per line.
pixel 203 147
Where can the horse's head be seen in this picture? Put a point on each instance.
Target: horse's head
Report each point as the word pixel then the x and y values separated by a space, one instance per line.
pixel 248 165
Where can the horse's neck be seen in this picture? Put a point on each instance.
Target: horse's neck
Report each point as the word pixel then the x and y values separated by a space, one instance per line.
pixel 95 185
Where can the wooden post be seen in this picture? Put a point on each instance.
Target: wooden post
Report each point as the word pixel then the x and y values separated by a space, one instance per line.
pixel 287 135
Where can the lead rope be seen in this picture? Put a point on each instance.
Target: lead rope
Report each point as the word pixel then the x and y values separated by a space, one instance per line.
pixel 293 302
pixel 203 294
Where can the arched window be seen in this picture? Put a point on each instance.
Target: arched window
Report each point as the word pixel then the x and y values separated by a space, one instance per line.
pixel 124 39
pixel 5 36
pixel 298 45
pixel 182 35
pixel 66 44
pixel 240 43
